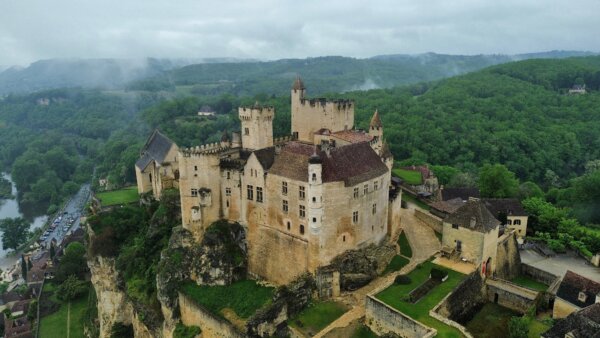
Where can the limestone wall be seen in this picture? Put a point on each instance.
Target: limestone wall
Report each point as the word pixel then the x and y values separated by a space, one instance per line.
pixel 434 313
pixel 563 308
pixel 432 221
pixel 394 215
pixel 383 319
pixel 537 274
pixel 465 300
pixel 508 259
pixel 511 296
pixel 211 325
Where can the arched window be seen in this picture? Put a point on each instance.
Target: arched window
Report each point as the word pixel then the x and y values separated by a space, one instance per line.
pixel 301 229
pixel 314 177
pixel 289 225
pixel 344 238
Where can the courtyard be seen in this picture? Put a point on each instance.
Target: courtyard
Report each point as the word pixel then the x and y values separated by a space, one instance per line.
pixel 559 264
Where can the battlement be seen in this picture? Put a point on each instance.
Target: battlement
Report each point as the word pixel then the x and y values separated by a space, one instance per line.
pixel 247 113
pixel 205 149
pixel 282 140
pixel 324 102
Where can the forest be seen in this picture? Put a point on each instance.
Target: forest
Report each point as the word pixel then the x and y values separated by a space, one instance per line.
pixel 516 114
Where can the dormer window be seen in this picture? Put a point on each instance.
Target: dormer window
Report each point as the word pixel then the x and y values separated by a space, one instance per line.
pixel 582 297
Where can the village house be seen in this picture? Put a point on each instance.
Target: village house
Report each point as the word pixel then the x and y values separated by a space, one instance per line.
pixel 303 199
pixel 510 212
pixel 574 293
pixel 157 168
pixel 584 323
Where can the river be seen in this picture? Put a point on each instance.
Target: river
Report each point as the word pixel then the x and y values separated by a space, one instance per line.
pixel 10 208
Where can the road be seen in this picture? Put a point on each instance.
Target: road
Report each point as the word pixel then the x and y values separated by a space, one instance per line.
pixel 72 210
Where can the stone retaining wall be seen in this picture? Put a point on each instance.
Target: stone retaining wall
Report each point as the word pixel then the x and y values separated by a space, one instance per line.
pixel 432 221
pixel 211 325
pixel 383 319
pixel 538 274
pixel 434 313
pixel 511 296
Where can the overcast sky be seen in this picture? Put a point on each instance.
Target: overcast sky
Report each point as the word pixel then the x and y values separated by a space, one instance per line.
pixel 263 29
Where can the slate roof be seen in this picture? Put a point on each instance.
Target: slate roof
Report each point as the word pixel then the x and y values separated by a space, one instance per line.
pixel 473 210
pixel 509 206
pixel 462 193
pixel 156 149
pixel 448 206
pixel 376 121
pixel 265 156
pixel 352 164
pixel 572 284
pixel 584 323
pixel 353 136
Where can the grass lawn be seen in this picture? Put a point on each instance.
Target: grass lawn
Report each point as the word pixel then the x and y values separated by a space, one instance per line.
pixel 410 198
pixel 397 263
pixel 122 196
pixel 420 310
pixel 536 328
pixel 491 321
pixel 411 177
pixel 55 325
pixel 363 332
pixel 317 316
pixel 529 283
pixel 243 297
pixel 405 249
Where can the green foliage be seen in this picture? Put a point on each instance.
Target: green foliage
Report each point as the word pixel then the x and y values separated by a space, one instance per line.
pixel 317 316
pixel 402 280
pixel 117 197
pixel 405 249
pixel 444 173
pixel 5 188
pixel 23 268
pixel 120 330
pixel 412 177
pixel 71 289
pixel 528 190
pixel 397 263
pixel 518 327
pixel 497 181
pixel 72 263
pixel 182 331
pixel 234 296
pixel 32 311
pixel 15 232
pixel 438 273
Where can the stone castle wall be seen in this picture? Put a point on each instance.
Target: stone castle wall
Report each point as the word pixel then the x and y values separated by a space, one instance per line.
pixel 508 259
pixel 383 319
pixel 211 325
pixel 538 274
pixel 511 296
pixel 432 221
pixel 465 300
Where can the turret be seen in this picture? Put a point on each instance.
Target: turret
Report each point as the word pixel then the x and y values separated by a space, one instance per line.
pixel 376 131
pixel 315 192
pixel 297 95
pixel 257 126
pixel 225 139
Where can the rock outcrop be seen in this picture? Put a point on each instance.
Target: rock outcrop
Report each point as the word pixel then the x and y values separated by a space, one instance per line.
pixel 358 267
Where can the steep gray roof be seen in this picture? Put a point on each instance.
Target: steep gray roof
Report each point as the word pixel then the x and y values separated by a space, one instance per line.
pixel 584 323
pixel 156 149
pixel 508 206
pixel 473 210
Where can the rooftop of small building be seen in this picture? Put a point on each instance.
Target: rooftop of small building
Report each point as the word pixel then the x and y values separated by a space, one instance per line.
pixel 449 206
pixel 572 284
pixel 462 193
pixel 473 215
pixel 508 206
pixel 353 135
pixel 156 149
pixel 584 323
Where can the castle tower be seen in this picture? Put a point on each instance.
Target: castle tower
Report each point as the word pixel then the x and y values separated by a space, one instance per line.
pixel 257 126
pixel 376 130
pixel 298 91
pixel 315 208
pixel 225 139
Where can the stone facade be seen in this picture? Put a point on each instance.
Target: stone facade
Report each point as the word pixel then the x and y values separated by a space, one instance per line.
pixel 383 319
pixel 158 167
pixel 303 199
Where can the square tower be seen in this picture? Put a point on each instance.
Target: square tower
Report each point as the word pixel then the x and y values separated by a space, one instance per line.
pixel 257 126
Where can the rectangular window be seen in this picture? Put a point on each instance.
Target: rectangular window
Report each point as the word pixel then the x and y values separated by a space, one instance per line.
pixel 259 194
pixel 195 168
pixel 228 175
pixel 246 131
pixel 284 188
pixel 454 226
pixel 302 211
pixel 194 192
pixel 366 189
pixel 355 192
pixel 375 185
pixel 355 217
pixel 250 192
pixel 374 209
pixel 301 192
pixel 284 206
pixel 227 191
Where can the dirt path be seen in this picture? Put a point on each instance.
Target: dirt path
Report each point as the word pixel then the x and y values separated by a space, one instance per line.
pixel 68 319
pixel 423 243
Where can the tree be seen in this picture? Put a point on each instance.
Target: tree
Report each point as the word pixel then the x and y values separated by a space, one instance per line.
pixel 497 181
pixel 462 180
pixel 71 288
pixel 72 263
pixel 52 251
pixel 518 327
pixel 14 232
pixel 444 173
pixel 530 189
pixel 23 268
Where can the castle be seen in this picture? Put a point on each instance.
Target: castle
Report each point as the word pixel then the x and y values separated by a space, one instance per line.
pixel 303 199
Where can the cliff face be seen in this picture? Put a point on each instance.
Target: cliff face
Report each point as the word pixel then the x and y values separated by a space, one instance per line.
pixel 113 305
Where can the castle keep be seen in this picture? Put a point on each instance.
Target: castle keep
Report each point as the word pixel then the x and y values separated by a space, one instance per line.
pixel 302 199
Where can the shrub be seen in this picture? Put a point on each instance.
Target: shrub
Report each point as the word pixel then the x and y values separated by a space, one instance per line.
pixel 438 274
pixel 120 330
pixel 402 280
pixel 518 327
pixel 71 288
pixel 182 331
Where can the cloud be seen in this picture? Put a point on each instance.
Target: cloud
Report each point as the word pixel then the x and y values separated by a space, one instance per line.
pixel 270 29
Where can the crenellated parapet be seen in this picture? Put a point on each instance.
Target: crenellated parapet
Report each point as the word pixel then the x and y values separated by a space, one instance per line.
pixel 205 149
pixel 338 104
pixel 282 140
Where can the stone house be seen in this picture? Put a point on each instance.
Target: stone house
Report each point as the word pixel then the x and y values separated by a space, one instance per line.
pixel 584 323
pixel 303 199
pixel 157 168
pixel 510 212
pixel 471 233
pixel 574 293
